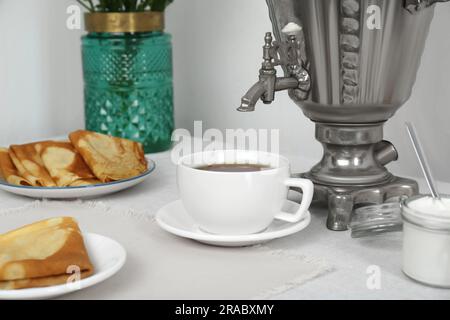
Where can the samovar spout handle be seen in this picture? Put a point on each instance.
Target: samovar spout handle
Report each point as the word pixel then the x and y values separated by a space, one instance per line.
pixel 414 6
pixel 275 54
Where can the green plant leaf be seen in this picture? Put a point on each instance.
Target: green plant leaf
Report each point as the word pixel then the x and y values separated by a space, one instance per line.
pixel 124 5
pixel 87 4
pixel 160 5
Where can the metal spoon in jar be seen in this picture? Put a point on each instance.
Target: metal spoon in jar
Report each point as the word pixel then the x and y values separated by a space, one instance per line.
pixel 422 160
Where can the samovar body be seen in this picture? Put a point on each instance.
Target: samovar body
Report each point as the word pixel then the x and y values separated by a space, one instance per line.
pixel 349 65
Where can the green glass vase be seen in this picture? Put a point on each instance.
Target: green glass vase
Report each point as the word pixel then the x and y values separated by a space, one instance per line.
pixel 129 86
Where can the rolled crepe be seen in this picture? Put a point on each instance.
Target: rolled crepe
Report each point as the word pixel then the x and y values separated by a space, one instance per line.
pixel 108 157
pixel 85 182
pixel 65 164
pixel 42 254
pixel 30 166
pixel 8 171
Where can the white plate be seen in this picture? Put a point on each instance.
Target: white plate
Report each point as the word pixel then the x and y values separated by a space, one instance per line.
pixel 107 256
pixel 78 192
pixel 174 219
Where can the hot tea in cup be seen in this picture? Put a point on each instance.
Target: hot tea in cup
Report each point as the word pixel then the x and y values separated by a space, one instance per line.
pixel 234 192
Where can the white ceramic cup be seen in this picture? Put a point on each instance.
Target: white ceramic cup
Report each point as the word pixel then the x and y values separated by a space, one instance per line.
pixel 239 203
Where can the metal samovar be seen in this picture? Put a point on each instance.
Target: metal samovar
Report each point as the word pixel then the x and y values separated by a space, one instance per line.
pixel 349 65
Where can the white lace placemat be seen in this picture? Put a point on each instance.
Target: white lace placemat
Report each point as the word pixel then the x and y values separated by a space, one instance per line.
pixel 161 266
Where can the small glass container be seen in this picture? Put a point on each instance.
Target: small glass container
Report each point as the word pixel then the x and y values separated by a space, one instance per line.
pixel 374 220
pixel 426 240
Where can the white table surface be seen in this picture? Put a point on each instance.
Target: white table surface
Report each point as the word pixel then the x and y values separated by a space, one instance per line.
pixel 350 258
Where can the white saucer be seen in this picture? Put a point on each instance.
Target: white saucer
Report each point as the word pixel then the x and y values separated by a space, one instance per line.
pixel 174 219
pixel 78 192
pixel 107 256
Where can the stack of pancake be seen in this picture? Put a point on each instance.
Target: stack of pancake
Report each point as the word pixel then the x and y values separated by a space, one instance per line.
pixel 87 158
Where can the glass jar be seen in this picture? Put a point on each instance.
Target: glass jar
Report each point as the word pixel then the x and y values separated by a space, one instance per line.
pixel 426 241
pixel 129 87
pixel 375 220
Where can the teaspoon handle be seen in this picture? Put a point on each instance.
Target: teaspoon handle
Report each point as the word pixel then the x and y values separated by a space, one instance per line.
pixel 422 160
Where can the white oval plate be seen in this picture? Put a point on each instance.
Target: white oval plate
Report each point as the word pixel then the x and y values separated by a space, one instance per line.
pixel 107 256
pixel 174 219
pixel 78 192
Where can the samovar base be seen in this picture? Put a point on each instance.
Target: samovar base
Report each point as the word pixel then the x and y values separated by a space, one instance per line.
pixel 352 172
pixel 341 201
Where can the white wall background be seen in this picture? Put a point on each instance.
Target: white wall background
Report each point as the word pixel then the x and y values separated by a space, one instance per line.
pixel 217 51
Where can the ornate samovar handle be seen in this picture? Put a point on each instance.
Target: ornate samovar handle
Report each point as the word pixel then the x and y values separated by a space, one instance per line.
pixel 296 67
pixel 414 6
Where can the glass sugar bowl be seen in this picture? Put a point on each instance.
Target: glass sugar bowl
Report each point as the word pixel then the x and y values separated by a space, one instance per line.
pixel 426 240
